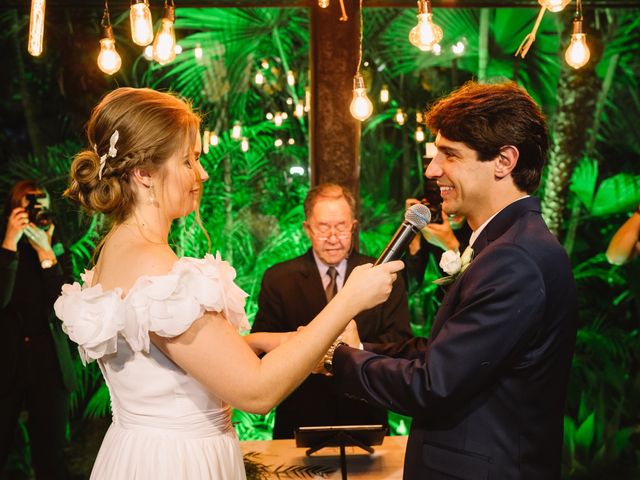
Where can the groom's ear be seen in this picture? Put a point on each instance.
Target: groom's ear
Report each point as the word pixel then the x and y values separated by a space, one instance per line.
pixel 506 161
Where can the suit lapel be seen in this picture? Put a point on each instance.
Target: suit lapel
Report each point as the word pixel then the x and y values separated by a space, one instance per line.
pixel 494 230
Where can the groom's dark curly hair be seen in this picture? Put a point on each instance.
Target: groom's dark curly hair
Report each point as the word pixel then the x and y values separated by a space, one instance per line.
pixel 488 117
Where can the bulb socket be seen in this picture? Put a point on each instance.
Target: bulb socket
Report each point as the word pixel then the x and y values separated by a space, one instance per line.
pixel 135 2
pixel 424 6
pixel 169 13
pixel 577 26
pixel 358 82
pixel 107 32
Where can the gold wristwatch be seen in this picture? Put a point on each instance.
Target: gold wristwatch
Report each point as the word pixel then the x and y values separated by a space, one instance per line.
pixel 328 357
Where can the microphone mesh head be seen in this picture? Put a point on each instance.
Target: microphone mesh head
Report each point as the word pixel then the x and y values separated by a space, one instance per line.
pixel 418 215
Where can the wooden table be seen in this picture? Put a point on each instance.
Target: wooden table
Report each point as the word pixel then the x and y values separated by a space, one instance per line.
pixel 278 455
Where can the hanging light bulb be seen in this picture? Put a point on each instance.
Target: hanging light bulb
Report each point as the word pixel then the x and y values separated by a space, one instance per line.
pixel 457 48
pixel 384 94
pixel 289 101
pixel 307 99
pixel 178 49
pixel 554 6
pixel 277 119
pixel 400 118
pixel 141 25
pixel 426 34
pixel 108 59
pixel 164 45
pixel 198 52
pixel 324 3
pixel 36 27
pixel 361 107
pixel 148 52
pixel 244 144
pixel 577 54
pixel 269 116
pixel 299 110
pixel 206 138
pixel 430 150
pixel 259 79
pixel 278 142
pixel 213 139
pixel 291 141
pixel 420 137
pixel 436 49
pixel 236 131
pixel 291 79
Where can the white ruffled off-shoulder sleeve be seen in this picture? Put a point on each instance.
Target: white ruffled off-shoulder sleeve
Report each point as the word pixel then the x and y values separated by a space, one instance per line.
pixel 167 305
pixel 92 319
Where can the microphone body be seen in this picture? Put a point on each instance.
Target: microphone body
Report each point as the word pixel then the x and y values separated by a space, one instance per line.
pixel 398 244
pixel 415 219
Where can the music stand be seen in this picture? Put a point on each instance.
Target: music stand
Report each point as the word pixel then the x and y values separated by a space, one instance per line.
pixel 363 436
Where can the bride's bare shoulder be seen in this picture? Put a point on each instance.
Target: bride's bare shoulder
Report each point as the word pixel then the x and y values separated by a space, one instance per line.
pixel 121 265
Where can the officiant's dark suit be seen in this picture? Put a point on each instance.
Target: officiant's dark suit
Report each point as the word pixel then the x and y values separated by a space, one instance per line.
pixel 486 391
pixel 291 295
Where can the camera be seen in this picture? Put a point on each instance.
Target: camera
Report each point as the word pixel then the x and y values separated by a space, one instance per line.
pixel 433 199
pixel 39 215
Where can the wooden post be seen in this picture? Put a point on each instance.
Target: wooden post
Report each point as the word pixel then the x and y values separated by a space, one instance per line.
pixel 334 134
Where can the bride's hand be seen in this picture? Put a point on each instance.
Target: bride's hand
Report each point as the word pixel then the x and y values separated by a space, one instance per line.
pixel 368 286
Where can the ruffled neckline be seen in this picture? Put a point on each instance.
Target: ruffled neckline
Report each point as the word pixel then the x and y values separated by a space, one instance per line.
pixel 164 304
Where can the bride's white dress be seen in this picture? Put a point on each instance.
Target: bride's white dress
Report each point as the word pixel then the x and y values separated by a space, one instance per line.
pixel 165 424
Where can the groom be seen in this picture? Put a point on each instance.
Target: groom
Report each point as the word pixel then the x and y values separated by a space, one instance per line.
pixel 486 391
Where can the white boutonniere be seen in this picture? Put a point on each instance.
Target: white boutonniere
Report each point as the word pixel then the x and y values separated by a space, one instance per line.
pixel 454 264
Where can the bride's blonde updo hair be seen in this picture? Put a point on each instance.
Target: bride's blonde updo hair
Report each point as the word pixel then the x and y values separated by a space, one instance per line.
pixel 151 127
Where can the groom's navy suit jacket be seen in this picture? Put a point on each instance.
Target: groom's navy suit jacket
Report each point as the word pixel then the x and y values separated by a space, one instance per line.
pixel 486 391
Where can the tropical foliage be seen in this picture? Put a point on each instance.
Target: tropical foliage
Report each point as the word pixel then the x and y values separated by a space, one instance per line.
pixel 252 204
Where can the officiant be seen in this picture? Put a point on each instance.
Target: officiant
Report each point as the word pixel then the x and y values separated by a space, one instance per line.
pixel 295 291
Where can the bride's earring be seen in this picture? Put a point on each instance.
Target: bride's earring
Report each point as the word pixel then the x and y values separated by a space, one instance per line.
pixel 152 194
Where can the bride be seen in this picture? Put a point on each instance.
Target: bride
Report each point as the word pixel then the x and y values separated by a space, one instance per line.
pixel 165 330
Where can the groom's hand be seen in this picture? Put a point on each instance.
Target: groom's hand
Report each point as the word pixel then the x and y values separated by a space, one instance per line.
pixel 350 335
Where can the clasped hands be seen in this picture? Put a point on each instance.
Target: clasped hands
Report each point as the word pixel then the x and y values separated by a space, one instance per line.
pixel 349 336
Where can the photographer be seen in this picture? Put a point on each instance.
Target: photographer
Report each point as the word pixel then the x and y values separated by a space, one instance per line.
pixel 442 233
pixel 37 371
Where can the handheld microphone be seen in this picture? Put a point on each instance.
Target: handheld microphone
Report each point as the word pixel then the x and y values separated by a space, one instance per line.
pixel 415 219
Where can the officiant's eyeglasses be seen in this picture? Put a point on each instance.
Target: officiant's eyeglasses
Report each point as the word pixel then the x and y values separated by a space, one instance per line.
pixel 325 232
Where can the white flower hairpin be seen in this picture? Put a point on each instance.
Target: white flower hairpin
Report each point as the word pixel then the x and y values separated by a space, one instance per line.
pixel 113 151
pixel 454 264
